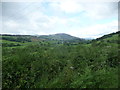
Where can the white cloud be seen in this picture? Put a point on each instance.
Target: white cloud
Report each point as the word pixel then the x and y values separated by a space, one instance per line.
pixel 67 6
pixel 95 31
pixel 101 10
pixel 42 22
pixel 58 0
pixel 35 21
pixel 11 24
pixel 38 23
pixel 94 10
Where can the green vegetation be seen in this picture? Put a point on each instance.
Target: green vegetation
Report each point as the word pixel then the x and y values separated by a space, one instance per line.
pixel 62 37
pixel 40 63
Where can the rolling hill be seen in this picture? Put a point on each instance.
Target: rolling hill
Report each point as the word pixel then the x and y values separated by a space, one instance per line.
pixel 59 36
pixel 62 37
pixel 109 38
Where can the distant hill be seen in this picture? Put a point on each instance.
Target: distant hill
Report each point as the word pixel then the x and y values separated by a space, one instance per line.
pixel 18 38
pixel 62 37
pixel 59 36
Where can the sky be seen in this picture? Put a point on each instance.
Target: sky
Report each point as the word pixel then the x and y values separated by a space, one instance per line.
pixel 80 19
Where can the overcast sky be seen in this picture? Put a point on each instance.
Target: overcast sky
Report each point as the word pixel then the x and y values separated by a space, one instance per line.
pixel 80 19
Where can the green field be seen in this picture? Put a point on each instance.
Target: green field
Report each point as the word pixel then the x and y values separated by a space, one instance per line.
pixel 31 62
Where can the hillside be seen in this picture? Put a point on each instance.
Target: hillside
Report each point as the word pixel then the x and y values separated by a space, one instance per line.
pixel 110 38
pixel 20 40
pixel 57 39
pixel 62 37
pixel 42 63
pixel 59 36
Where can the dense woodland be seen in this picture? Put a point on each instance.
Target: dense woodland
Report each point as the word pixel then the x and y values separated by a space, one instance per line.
pixel 32 62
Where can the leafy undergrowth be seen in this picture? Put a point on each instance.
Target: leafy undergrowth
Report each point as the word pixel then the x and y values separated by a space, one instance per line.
pixel 32 63
pixel 61 66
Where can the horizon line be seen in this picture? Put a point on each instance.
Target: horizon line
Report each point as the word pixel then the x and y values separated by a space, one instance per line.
pixel 54 34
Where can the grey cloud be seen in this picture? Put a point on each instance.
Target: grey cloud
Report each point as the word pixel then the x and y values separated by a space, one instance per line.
pixel 20 13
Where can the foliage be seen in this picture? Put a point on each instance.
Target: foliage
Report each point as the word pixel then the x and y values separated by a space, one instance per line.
pixel 47 64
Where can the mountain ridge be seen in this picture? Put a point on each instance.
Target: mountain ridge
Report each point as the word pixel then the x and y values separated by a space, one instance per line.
pixel 61 37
